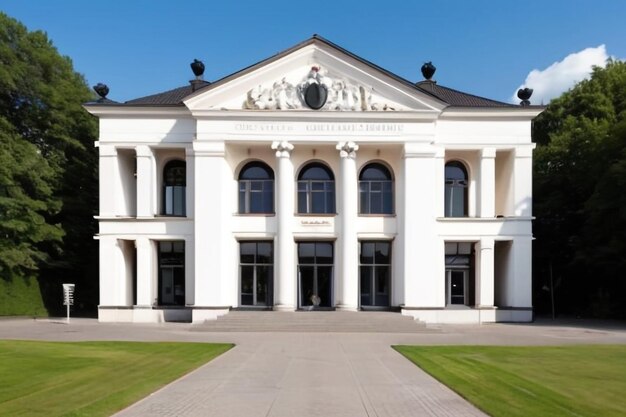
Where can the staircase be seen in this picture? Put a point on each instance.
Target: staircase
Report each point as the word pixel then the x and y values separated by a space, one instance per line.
pixel 313 321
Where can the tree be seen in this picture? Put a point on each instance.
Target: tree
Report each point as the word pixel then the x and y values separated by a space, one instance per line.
pixel 579 194
pixel 48 178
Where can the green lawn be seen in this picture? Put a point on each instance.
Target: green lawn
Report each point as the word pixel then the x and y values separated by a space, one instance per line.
pixel 531 381
pixel 90 378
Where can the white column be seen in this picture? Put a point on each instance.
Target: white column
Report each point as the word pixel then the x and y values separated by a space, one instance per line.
pixel 521 288
pixel 190 183
pixel 146 184
pixel 109 178
pixel 211 226
pixel 523 180
pixel 348 278
pixel 189 272
pixel 440 182
pixel 424 263
pixel 109 277
pixel 146 274
pixel 485 272
pixel 488 182
pixel 285 272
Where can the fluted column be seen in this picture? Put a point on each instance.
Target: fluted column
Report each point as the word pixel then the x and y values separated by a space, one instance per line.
pixel 348 277
pixel 285 271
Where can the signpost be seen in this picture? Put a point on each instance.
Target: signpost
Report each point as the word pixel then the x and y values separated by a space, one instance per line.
pixel 68 298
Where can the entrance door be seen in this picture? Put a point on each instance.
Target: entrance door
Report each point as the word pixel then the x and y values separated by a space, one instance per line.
pixel 456 286
pixel 256 271
pixel 171 273
pixel 315 275
pixel 375 274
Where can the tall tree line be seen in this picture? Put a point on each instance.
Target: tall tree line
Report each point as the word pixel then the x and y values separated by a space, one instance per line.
pixel 580 197
pixel 48 168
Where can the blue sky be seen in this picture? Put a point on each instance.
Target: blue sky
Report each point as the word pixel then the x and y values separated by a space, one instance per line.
pixel 487 48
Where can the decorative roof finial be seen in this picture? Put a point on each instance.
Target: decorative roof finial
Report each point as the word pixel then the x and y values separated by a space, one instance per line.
pixel 198 68
pixel 102 90
pixel 428 70
pixel 524 95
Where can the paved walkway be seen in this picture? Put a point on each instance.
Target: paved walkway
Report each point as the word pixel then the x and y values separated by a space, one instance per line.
pixel 311 374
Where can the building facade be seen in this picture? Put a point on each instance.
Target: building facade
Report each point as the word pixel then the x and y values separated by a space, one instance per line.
pixel 314 180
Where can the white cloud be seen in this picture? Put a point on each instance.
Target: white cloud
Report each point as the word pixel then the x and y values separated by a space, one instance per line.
pixel 562 75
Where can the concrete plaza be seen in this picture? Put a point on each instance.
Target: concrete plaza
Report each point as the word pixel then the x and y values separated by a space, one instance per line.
pixel 312 373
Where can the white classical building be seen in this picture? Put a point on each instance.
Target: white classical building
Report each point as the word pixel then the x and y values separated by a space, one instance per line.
pixel 314 180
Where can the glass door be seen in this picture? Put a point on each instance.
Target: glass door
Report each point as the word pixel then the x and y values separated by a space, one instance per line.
pixel 375 276
pixel 256 273
pixel 315 275
pixel 456 283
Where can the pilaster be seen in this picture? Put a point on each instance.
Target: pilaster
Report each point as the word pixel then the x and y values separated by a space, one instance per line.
pixel 423 250
pixel 210 221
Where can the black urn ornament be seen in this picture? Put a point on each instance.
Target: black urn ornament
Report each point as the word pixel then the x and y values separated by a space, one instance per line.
pixel 315 96
pixel 428 70
pixel 101 89
pixel 524 95
pixel 197 67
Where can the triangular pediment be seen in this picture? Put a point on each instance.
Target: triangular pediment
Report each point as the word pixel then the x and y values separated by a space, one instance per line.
pixel 313 76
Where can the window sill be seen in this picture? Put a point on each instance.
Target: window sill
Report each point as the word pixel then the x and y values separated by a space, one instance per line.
pixel 315 214
pixel 377 215
pixel 254 214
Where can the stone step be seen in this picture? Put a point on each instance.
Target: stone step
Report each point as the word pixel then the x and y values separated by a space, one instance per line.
pixel 313 321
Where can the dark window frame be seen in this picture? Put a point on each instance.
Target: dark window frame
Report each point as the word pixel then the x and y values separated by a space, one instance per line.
pixel 370 188
pixel 174 189
pixel 176 261
pixel 456 187
pixel 251 189
pixel 257 265
pixel 313 191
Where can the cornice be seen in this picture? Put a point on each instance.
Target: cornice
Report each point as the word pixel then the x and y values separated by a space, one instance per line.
pixel 508 113
pixel 128 111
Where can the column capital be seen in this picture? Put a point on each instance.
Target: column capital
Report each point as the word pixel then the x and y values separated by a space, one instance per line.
pixel 283 148
pixel 488 153
pixel 347 149
pixel 107 150
pixel 143 151
pixel 486 243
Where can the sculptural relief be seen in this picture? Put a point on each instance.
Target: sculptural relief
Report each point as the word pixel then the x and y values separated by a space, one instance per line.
pixel 317 91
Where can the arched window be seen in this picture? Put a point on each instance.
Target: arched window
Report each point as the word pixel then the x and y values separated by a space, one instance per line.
pixel 174 184
pixel 456 190
pixel 375 190
pixel 316 190
pixel 256 188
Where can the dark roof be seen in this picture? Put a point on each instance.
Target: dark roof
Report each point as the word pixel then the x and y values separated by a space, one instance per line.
pixel 446 95
pixel 457 98
pixel 167 98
